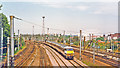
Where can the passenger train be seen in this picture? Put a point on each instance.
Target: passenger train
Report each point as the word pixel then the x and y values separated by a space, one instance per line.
pixel 68 51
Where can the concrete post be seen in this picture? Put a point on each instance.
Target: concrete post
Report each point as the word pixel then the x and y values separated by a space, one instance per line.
pixel 48 33
pixel 18 39
pixel 84 41
pixel 12 39
pixel 89 36
pixel 94 53
pixel 70 39
pixel 8 51
pixel 64 37
pixel 33 33
pixel 43 31
pixel 80 43
pixel 1 44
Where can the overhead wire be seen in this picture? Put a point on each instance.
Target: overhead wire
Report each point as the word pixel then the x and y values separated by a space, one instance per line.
pixel 47 27
pixel 76 32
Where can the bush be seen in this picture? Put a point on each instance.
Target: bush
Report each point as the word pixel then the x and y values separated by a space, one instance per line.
pixel 76 43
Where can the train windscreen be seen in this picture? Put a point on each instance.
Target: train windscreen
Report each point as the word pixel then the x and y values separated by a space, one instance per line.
pixel 69 49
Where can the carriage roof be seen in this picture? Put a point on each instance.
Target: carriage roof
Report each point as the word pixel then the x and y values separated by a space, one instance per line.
pixel 68 47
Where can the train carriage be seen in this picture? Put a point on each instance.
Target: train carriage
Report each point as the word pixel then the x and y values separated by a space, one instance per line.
pixel 67 51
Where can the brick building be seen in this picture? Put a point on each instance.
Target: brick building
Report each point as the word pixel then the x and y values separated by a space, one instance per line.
pixel 115 36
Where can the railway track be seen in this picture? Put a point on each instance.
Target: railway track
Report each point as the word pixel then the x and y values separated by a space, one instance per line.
pixel 23 62
pixel 32 56
pixel 22 52
pixel 98 57
pixel 28 56
pixel 42 57
pixel 61 61
pixel 37 58
pixel 20 55
pixel 101 58
pixel 106 53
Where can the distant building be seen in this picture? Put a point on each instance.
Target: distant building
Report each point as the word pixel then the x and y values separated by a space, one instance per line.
pixel 101 41
pixel 95 36
pixel 115 36
pixel 90 37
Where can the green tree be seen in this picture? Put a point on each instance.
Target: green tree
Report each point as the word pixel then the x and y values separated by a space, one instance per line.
pixel 118 39
pixel 0 7
pixel 6 29
pixel 101 38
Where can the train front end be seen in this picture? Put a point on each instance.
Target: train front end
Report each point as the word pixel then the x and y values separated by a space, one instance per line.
pixel 69 52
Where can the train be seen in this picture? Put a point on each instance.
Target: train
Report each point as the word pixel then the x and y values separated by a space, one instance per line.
pixel 67 51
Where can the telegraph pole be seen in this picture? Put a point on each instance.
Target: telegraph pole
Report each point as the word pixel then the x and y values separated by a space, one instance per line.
pixel 18 39
pixel 1 43
pixel 12 39
pixel 64 37
pixel 8 40
pixel 43 32
pixel 80 43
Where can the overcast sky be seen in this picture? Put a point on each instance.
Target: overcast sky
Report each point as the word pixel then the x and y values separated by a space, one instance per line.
pixel 95 16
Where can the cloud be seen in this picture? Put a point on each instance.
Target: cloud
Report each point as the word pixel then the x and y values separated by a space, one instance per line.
pixel 60 0
pixel 107 8
pixel 56 5
pixel 66 5
pixel 95 8
pixel 82 7
pixel 72 6
pixel 97 12
pixel 78 7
